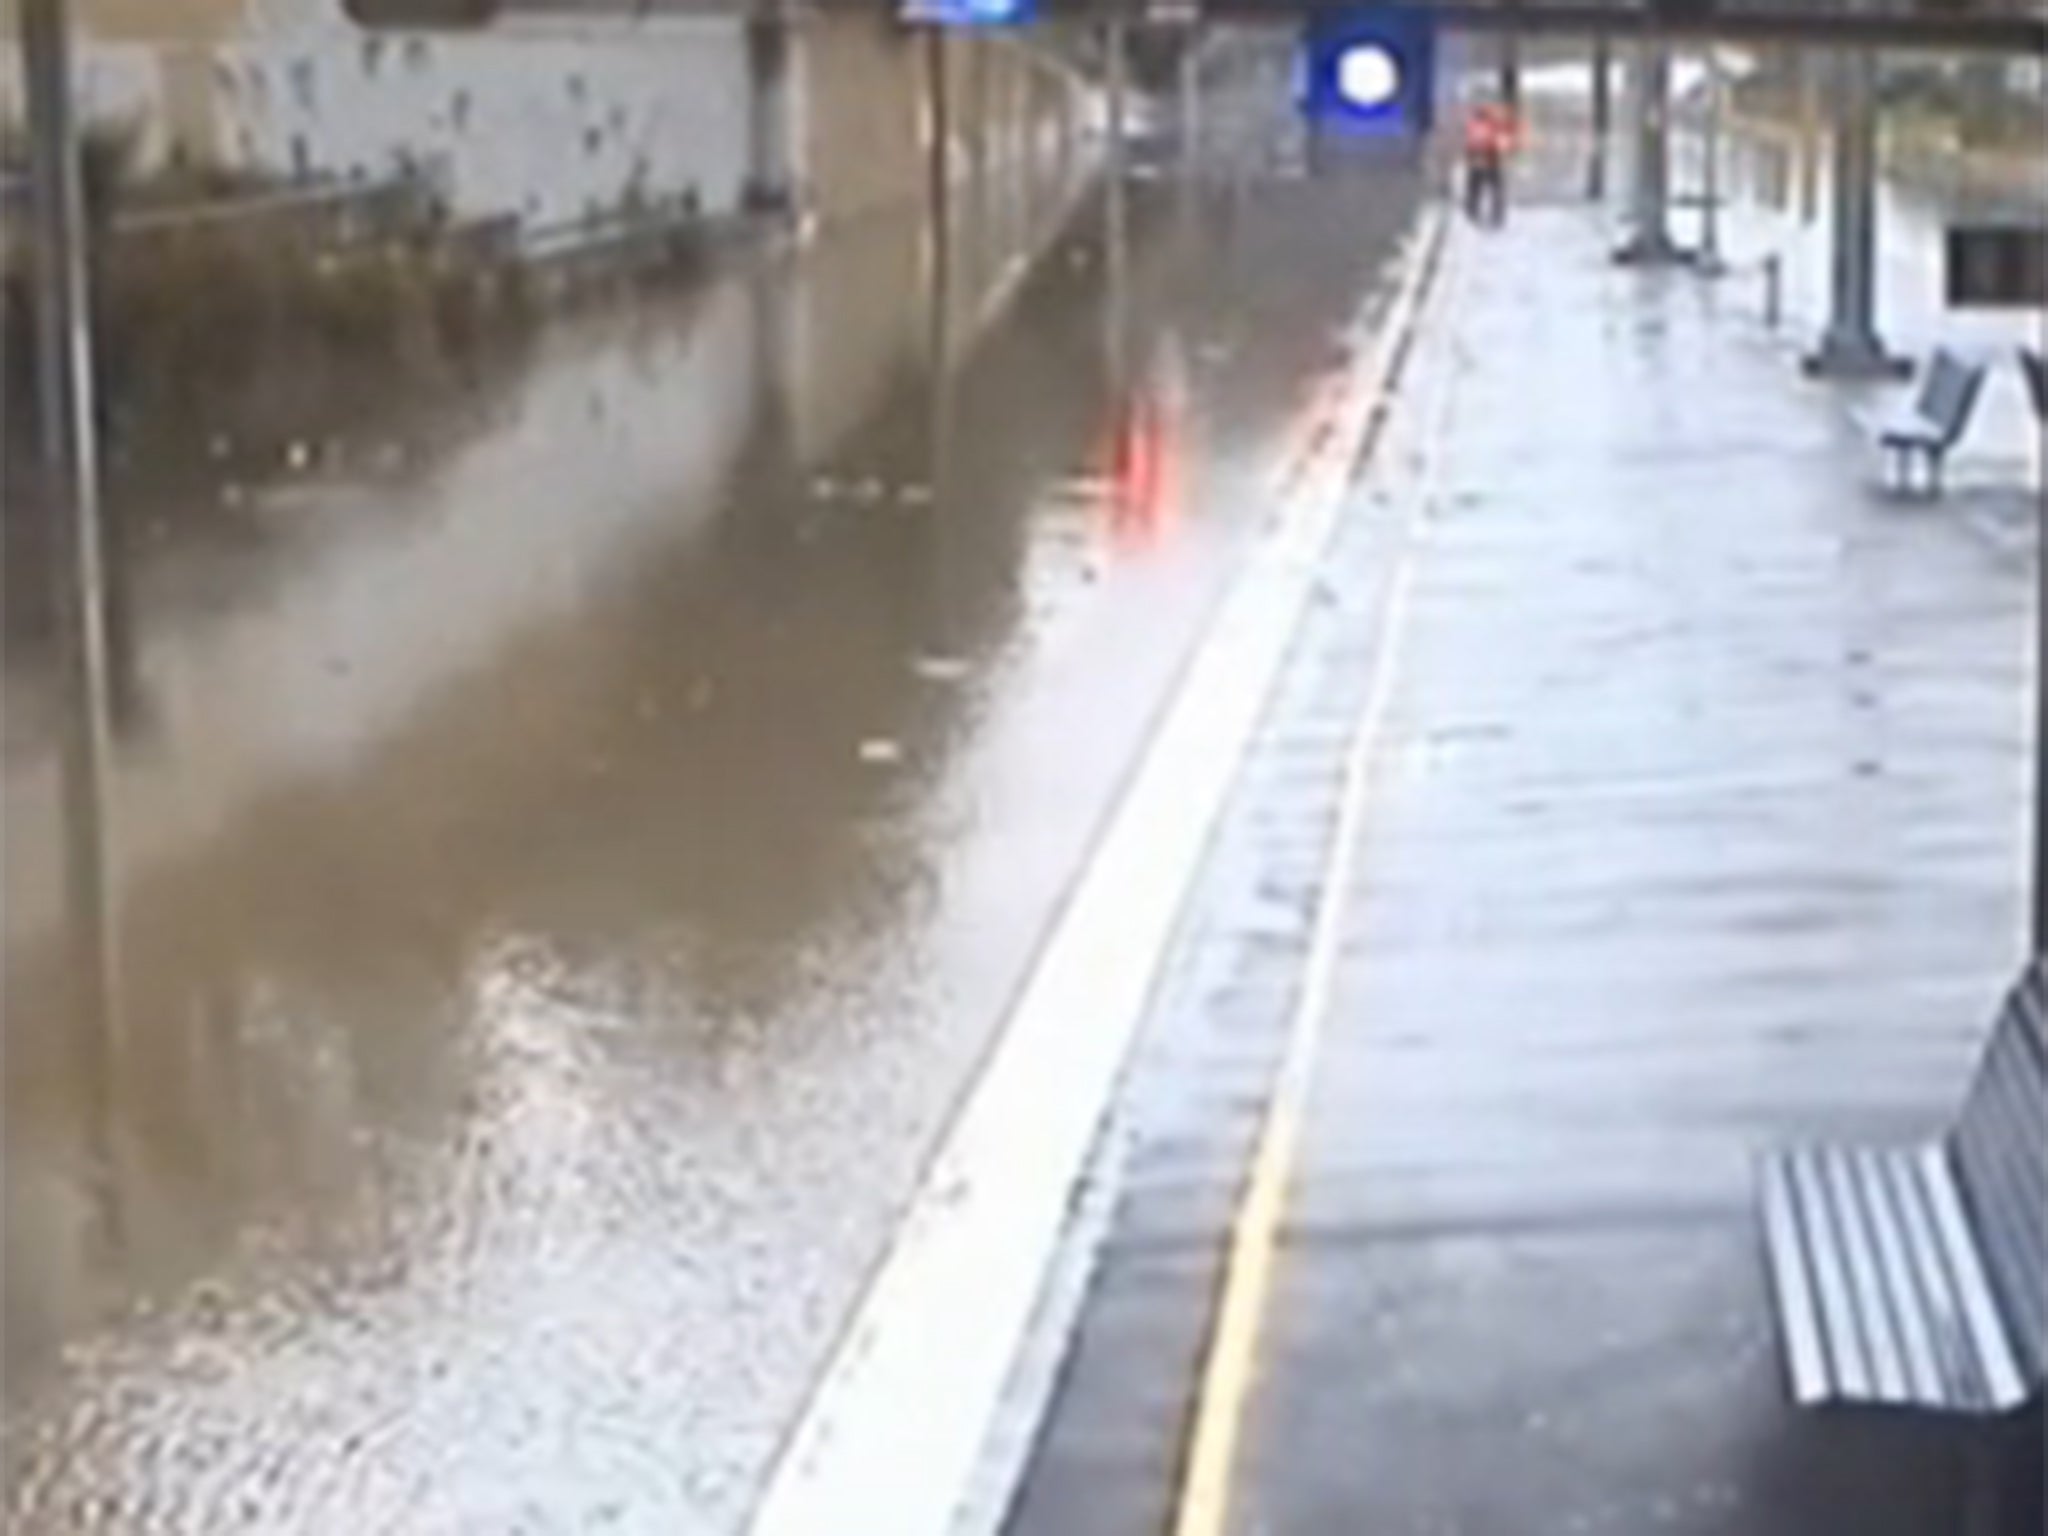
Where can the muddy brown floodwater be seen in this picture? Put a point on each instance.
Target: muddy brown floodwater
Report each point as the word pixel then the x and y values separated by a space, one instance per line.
pixel 566 885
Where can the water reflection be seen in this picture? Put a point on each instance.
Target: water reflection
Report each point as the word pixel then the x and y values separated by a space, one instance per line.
pixel 1147 456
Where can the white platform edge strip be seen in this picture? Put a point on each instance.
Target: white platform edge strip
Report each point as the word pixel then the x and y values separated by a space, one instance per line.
pixel 888 1441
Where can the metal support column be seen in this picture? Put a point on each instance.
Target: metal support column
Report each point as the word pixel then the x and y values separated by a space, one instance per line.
pixel 2039 914
pixel 937 157
pixel 1649 241
pixel 2039 924
pixel 768 110
pixel 71 482
pixel 940 612
pixel 1114 217
pixel 1849 347
pixel 1707 262
pixel 1809 135
pixel 974 113
pixel 1596 163
pixel 1118 90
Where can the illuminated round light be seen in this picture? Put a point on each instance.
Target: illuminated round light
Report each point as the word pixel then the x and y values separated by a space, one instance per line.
pixel 1368 75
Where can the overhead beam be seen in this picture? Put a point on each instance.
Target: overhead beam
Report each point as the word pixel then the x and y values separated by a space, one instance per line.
pixel 1942 25
pixel 2008 32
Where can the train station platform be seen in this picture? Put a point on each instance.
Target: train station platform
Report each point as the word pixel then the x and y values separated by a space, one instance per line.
pixel 1646 789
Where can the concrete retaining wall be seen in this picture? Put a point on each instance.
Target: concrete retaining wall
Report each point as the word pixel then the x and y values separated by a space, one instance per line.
pixel 557 121
pixel 863 111
pixel 548 120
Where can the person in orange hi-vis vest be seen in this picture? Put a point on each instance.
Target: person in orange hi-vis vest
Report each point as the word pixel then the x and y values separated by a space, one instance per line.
pixel 1489 138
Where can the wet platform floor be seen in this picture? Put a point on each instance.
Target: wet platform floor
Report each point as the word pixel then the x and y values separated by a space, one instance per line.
pixel 1696 822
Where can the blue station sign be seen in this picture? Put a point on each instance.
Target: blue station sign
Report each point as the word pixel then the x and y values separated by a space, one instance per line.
pixel 967 13
pixel 1370 71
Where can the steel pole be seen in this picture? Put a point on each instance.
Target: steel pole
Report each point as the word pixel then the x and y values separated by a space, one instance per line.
pixel 2039 925
pixel 1708 262
pixel 940 596
pixel 937 159
pixel 2040 893
pixel 1115 236
pixel 1603 110
pixel 70 452
pixel 1649 242
pixel 1118 90
pixel 1809 136
pixel 1114 214
pixel 768 149
pixel 1850 347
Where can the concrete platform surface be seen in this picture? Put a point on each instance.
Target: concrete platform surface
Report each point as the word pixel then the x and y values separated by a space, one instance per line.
pixel 1696 823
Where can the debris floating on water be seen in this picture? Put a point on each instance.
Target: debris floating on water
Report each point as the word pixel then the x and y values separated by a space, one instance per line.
pixel 880 749
pixel 939 669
